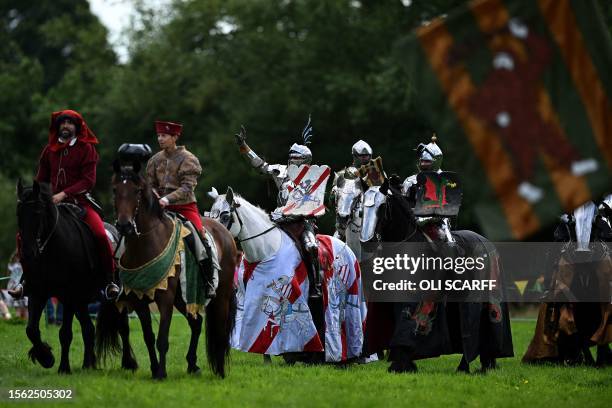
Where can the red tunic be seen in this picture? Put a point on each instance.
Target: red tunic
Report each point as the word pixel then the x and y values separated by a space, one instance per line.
pixel 71 169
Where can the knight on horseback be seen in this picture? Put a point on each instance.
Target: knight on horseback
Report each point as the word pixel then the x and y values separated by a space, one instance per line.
pixel 173 173
pixel 299 154
pixel 362 153
pixel 68 162
pixel 428 158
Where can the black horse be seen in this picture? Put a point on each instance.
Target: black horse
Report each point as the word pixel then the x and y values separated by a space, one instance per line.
pixel 416 330
pixel 59 259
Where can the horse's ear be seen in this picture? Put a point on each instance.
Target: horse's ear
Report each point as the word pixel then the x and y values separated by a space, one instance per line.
pixel 213 193
pixel 136 165
pixel 19 188
pixel 35 188
pixel 117 166
pixel 229 196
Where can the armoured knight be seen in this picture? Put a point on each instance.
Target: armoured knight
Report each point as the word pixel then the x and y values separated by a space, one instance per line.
pixel 428 158
pixel 362 153
pixel 298 154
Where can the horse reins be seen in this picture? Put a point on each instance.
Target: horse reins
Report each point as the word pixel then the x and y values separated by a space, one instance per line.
pixel 42 247
pixel 229 226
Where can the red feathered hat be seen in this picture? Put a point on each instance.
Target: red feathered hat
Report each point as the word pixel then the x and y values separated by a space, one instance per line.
pixel 83 133
pixel 169 128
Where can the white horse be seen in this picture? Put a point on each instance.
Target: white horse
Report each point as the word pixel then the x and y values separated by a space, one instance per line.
pixel 349 212
pixel 274 317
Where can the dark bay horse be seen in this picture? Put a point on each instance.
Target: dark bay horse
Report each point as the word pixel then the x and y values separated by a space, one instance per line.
pixel 416 330
pixel 147 230
pixel 59 259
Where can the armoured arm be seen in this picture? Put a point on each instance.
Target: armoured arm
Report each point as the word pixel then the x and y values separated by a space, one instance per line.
pixel 249 154
pixel 255 161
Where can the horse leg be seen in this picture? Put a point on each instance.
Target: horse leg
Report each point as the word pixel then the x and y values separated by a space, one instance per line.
pixel 40 350
pixel 588 357
pixel 144 315
pixel 195 324
pixel 267 359
pixel 464 366
pixel 88 334
pixel 65 335
pixel 401 360
pixel 604 356
pixel 487 363
pixel 128 360
pixel 165 304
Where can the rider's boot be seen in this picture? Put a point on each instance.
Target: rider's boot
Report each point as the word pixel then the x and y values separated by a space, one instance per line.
pixel 314 270
pixel 206 266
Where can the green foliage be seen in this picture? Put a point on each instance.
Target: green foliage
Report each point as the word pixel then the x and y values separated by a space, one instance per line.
pixel 8 227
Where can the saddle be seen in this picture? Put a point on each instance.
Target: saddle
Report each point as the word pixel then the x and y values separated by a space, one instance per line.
pixel 295 230
pixel 208 263
pixel 72 210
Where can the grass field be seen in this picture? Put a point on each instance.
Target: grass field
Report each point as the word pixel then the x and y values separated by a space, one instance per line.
pixel 250 383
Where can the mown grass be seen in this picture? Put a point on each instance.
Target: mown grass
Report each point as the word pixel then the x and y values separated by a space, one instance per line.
pixel 250 383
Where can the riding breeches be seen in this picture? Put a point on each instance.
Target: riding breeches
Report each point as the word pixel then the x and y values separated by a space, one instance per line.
pixel 93 220
pixel 189 211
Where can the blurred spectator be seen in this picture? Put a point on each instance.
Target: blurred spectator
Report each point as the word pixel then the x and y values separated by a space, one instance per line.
pixel 15 274
pixel 54 311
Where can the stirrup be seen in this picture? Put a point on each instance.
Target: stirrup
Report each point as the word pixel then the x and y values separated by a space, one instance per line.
pixel 315 292
pixel 112 291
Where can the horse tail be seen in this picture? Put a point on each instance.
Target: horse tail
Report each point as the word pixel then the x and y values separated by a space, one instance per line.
pixel 220 319
pixel 108 323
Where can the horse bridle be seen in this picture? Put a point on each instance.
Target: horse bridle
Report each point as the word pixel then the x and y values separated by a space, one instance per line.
pixel 41 247
pixel 124 180
pixel 235 213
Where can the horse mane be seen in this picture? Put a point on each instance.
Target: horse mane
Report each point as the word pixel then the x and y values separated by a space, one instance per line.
pixel 257 209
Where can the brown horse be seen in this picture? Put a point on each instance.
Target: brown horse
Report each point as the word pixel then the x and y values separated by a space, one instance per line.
pixel 147 229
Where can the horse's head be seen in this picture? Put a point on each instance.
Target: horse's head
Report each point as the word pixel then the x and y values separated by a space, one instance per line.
pixel 373 205
pixel 387 215
pixel 224 211
pixel 33 208
pixel 132 196
pixel 348 200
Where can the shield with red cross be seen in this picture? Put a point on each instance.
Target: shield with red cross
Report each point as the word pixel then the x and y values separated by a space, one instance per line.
pixel 306 190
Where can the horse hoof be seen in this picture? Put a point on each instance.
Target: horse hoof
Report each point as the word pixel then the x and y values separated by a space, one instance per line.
pixel 129 364
pixel 42 355
pixel 399 367
pixel 160 376
pixel 64 371
pixel 195 370
pixel 487 366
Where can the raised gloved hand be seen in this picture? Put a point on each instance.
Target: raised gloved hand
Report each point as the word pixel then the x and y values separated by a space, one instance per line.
pixel 241 136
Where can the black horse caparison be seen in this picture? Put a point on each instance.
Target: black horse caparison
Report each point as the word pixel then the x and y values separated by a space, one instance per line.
pixel 468 328
pixel 59 258
pixel 147 229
